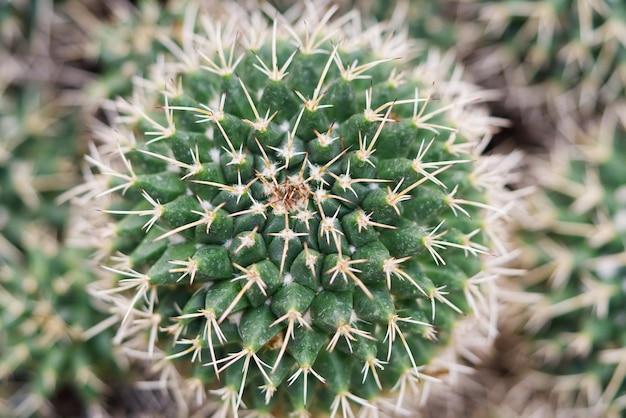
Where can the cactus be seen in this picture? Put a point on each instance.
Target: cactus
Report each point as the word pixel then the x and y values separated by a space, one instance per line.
pixel 571 308
pixel 35 157
pixel 568 56
pixel 431 22
pixel 35 168
pixel 120 44
pixel 297 216
pixel 44 316
pixel 46 365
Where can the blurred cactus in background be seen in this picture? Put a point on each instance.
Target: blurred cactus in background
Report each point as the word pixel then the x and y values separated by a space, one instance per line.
pixel 121 39
pixel 298 215
pixel 571 306
pixel 430 22
pixel 38 149
pixel 556 59
pixel 47 367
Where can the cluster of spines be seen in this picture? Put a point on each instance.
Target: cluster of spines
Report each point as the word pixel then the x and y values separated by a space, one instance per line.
pixel 340 229
pixel 571 307
pixel 45 306
pixel 566 55
pixel 44 318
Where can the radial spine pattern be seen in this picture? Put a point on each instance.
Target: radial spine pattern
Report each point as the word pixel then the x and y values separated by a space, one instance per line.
pixel 297 215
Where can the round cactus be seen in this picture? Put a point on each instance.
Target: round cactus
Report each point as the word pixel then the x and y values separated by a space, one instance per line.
pixel 45 315
pixel 571 309
pixel 569 55
pixel 35 152
pixel 36 161
pixel 297 215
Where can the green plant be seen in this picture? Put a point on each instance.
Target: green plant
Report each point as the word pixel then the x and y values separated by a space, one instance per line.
pixel 47 365
pixel 38 142
pixel 36 156
pixel 570 308
pixel 568 56
pixel 44 316
pixel 431 23
pixel 297 218
pixel 120 41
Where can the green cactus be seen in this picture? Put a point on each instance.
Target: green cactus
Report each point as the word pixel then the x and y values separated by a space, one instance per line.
pixel 568 55
pixel 46 362
pixel 122 44
pixel 571 309
pixel 44 316
pixel 35 155
pixel 429 21
pixel 37 160
pixel 297 216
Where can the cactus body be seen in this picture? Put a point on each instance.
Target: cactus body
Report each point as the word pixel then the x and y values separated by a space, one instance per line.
pixel 44 315
pixel 298 215
pixel 572 309
pixel 568 55
pixel 47 364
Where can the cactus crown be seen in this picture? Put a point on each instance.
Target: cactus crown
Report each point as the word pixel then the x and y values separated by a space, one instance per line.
pixel 297 208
